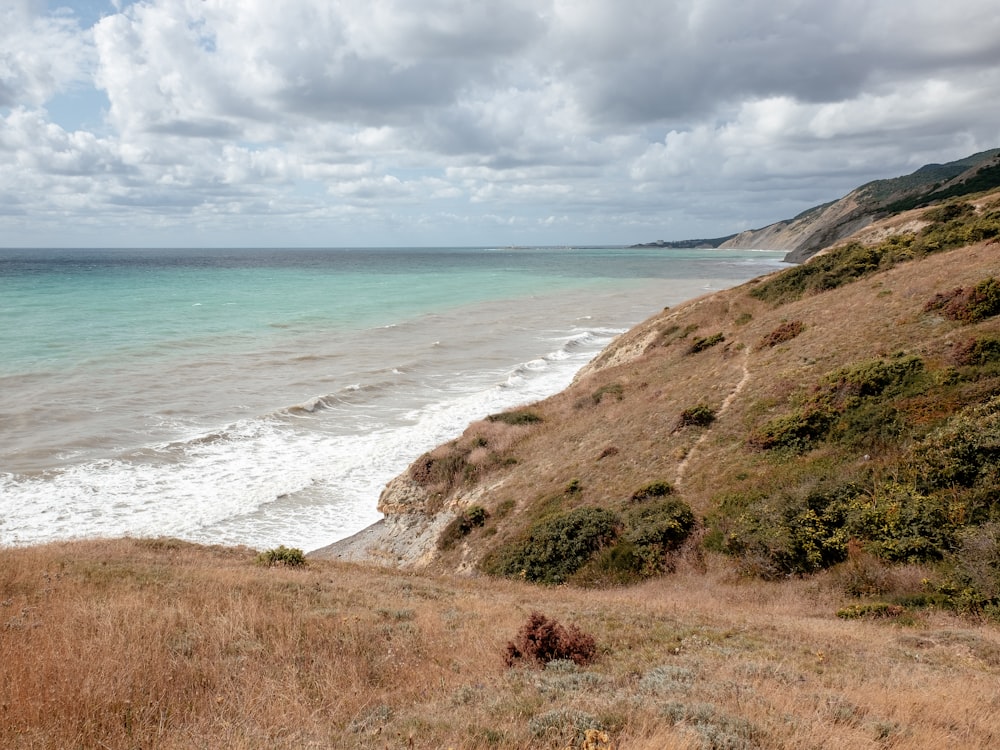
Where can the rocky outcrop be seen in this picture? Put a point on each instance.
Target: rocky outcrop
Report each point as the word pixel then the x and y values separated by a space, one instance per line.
pixel 405 537
pixel 404 540
pixel 403 495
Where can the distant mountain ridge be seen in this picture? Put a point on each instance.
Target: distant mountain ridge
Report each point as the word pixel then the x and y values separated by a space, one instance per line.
pixel 820 226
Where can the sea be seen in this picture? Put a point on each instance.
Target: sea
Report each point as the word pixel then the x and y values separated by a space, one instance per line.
pixel 265 396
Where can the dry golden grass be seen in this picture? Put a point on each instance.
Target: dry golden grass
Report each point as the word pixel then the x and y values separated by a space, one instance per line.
pixel 163 644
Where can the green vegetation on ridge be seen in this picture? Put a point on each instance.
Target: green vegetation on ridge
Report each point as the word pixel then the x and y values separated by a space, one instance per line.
pixel 952 225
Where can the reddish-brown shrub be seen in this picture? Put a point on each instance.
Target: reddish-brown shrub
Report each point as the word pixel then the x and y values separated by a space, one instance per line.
pixel 542 640
pixel 609 451
pixel 785 332
pixel 968 305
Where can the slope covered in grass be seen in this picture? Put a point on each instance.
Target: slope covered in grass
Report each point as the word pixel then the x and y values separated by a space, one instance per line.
pixel 162 644
pixel 849 401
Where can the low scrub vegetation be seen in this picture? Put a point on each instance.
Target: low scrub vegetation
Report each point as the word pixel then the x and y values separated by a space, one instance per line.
pixel 542 640
pixel 656 489
pixel 612 389
pixel 853 405
pixel 461 526
pixel 984 350
pixel 557 547
pixel 706 342
pixel 281 555
pixel 949 227
pixel 696 416
pixel 936 507
pixel 596 546
pixel 784 332
pixel 516 417
pixel 968 305
pixel 485 446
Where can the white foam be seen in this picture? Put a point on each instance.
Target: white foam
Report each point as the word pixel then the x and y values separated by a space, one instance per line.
pixel 263 482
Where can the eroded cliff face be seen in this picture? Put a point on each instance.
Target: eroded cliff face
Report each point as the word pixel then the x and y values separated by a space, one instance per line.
pixel 808 233
pixel 406 537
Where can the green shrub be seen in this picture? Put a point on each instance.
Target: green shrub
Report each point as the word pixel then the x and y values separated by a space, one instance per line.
pixel 983 302
pixel 796 432
pixel 656 529
pixel 462 525
pixel 974 581
pixel 964 452
pixel 978 351
pixel 968 305
pixel 847 405
pixel 652 532
pixel 872 378
pixel 617 565
pixel 555 548
pixel 707 342
pixel 871 611
pixel 782 534
pixel 282 555
pixel 950 227
pixel 658 488
pixel 827 271
pixel 696 416
pixel 517 417
pixel 899 523
pixel 778 535
pixel 613 389
pixel 949 212
pixel 956 228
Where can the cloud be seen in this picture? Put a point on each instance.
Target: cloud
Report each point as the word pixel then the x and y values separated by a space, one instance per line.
pixel 39 55
pixel 576 121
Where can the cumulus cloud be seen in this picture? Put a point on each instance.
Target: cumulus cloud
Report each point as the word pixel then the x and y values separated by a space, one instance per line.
pixel 560 120
pixel 39 54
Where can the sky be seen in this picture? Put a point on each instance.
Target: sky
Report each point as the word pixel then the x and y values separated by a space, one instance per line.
pixel 331 123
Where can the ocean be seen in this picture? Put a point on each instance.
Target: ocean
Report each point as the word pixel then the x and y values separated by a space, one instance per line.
pixel 265 397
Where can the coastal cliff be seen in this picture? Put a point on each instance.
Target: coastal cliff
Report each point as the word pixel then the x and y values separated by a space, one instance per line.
pixel 760 402
pixel 824 225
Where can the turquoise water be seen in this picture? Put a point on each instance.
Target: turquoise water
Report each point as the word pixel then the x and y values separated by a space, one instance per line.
pixel 77 305
pixel 265 396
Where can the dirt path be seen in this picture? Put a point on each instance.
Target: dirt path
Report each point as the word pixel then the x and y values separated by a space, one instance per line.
pixel 726 403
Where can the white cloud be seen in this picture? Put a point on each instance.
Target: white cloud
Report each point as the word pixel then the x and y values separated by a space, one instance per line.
pixel 39 55
pixel 305 115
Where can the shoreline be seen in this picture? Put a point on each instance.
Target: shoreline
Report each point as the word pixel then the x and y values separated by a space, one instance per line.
pixel 408 538
pixel 340 454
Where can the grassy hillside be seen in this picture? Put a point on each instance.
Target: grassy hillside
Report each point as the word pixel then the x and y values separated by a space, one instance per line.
pixel 162 644
pixel 841 413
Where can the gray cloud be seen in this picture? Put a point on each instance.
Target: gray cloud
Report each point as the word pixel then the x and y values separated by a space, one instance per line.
pixel 552 121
